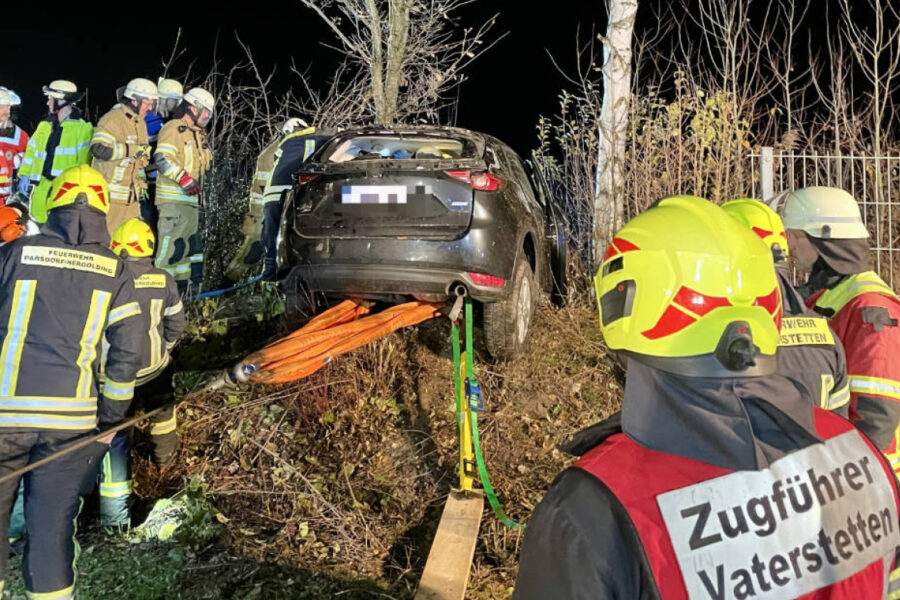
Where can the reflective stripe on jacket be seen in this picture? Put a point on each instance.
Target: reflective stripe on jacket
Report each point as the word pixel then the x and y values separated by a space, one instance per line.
pixel 181 149
pixel 121 130
pixel 61 293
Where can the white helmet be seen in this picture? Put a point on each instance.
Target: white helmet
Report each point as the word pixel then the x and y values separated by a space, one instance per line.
pixel 140 88
pixel 60 89
pixel 169 88
pixel 293 124
pixel 9 97
pixel 200 98
pixel 825 213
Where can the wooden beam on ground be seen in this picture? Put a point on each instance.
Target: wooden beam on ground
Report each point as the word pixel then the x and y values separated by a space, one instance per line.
pixel 446 573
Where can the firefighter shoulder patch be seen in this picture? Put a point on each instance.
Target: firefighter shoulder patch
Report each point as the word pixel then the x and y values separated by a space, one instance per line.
pixel 804 331
pixel 63 258
pixel 150 280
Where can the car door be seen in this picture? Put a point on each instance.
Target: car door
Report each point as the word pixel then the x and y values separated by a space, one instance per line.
pixel 554 233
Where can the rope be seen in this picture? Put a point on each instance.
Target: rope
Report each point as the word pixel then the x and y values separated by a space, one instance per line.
pixel 233 288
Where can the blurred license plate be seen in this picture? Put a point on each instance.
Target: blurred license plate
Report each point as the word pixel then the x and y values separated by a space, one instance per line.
pixel 373 194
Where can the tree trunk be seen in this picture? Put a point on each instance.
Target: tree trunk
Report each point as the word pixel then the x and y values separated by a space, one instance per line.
pixel 377 66
pixel 398 23
pixel 609 193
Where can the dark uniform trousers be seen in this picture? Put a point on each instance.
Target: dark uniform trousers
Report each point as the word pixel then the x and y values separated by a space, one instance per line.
pixel 52 503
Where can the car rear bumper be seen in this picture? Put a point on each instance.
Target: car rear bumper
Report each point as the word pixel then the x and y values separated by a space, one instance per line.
pixel 391 282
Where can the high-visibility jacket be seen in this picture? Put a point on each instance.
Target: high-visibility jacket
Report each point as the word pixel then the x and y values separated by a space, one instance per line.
pixel 864 313
pixel 13 142
pixel 61 293
pixel 809 354
pixel 265 164
pixel 163 313
pixel 791 530
pixel 52 149
pixel 181 149
pixel 121 132
pixel 292 151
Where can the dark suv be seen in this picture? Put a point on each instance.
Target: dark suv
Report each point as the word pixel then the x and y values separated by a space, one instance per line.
pixel 427 213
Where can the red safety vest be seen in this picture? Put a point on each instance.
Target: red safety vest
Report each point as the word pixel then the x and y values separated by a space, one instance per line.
pixel 743 533
pixel 11 151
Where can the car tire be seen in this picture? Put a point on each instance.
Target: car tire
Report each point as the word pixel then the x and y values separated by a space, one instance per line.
pixel 507 324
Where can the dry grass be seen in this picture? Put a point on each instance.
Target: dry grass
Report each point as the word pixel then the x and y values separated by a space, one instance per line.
pixel 344 474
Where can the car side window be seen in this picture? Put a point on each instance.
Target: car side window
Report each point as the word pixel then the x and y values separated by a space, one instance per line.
pixel 514 164
pixel 534 176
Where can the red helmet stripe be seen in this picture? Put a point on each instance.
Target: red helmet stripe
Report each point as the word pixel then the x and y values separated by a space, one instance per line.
pixel 762 233
pixel 618 246
pixel 698 303
pixel 671 321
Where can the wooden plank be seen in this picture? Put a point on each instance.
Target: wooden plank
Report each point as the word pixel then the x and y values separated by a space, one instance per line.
pixel 446 573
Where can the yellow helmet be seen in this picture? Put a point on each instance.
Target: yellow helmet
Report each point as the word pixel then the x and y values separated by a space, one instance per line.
pixel 685 288
pixel 763 221
pixel 134 238
pixel 81 186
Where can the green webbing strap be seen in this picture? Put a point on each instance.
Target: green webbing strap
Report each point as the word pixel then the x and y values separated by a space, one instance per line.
pixel 479 457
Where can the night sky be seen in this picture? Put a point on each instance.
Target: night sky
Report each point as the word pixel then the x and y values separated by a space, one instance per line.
pixel 508 87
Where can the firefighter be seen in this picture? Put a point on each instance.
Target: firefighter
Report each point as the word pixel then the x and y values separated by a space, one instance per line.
pixel 251 251
pixel 293 150
pixel 160 303
pixel 61 293
pixel 182 158
pixel 13 141
pixel 170 95
pixel 121 150
pixel 809 354
pixel 62 140
pixel 830 242
pixel 718 479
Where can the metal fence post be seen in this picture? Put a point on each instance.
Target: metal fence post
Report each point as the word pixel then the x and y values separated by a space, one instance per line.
pixel 767 174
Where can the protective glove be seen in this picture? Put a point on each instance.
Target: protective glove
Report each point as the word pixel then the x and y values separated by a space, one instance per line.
pixel 24 184
pixel 139 151
pixel 190 185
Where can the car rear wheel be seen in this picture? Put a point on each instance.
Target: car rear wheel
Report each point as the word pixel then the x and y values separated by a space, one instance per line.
pixel 507 323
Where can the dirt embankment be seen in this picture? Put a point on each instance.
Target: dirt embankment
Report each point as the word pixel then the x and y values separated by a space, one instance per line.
pixel 344 474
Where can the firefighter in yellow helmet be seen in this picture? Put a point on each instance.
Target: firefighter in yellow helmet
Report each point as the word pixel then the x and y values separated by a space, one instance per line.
pixel 61 140
pixel 183 158
pixel 717 478
pixel 62 293
pixel 121 149
pixel 830 242
pixel 809 353
pixel 160 303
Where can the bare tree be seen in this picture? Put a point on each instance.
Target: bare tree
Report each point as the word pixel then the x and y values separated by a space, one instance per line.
pixel 609 208
pixel 413 52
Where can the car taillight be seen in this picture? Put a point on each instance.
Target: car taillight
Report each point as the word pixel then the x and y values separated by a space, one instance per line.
pixel 303 179
pixel 485 182
pixel 487 280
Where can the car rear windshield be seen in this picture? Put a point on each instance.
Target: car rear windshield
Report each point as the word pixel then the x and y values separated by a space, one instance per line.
pixel 377 147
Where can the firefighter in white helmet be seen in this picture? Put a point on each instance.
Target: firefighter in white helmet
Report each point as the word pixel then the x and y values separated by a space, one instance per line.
pixel 252 251
pixel 183 157
pixel 121 149
pixel 61 141
pixel 170 95
pixel 13 141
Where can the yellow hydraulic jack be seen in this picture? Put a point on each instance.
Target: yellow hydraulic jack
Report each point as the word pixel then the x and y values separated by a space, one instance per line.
pixel 450 559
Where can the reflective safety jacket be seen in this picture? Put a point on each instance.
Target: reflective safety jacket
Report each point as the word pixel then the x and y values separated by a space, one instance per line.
pixel 52 149
pixel 709 532
pixel 13 141
pixel 116 141
pixel 163 315
pixel 61 293
pixel 864 313
pixel 292 151
pixel 181 149
pixel 809 354
pixel 265 164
